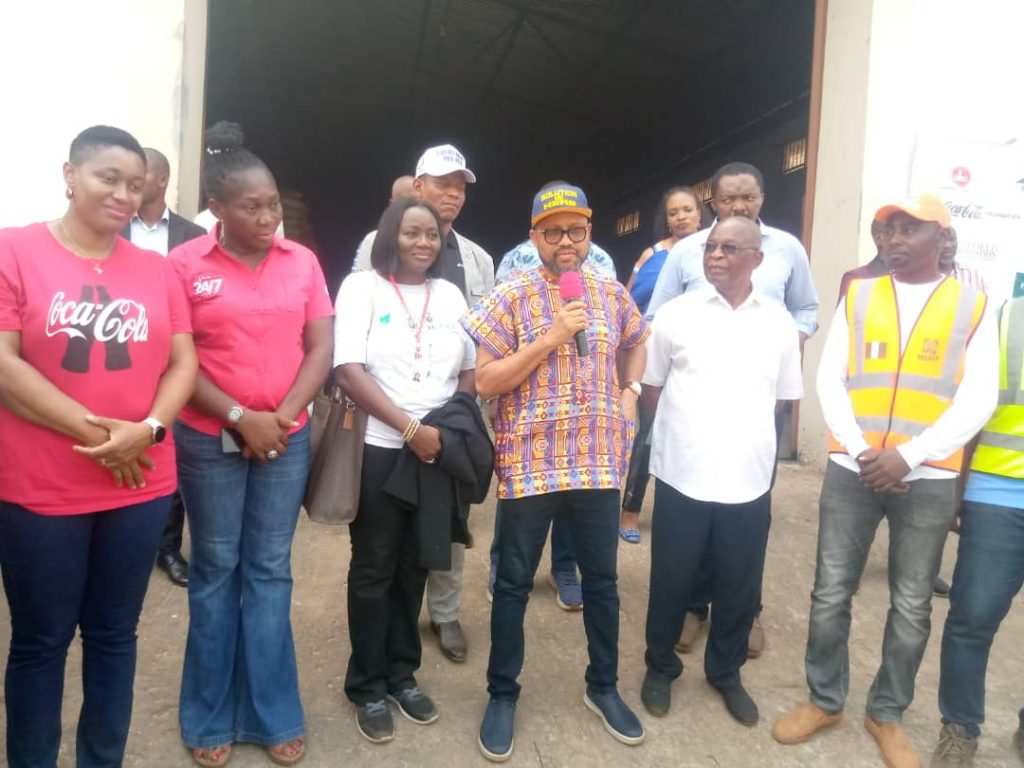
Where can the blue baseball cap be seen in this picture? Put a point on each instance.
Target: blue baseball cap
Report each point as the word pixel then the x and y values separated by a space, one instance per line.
pixel 555 198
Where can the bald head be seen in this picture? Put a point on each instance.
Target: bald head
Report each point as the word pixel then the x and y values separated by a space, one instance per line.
pixel 158 174
pixel 402 188
pixel 740 228
pixel 732 253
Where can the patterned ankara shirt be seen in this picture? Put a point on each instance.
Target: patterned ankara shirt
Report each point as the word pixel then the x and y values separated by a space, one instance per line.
pixel 562 428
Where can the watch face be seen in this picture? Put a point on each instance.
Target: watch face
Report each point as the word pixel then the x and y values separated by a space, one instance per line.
pixel 234 414
pixel 159 434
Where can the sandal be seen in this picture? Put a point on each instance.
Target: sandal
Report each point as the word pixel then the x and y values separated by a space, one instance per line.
pixel 288 753
pixel 212 757
pixel 631 535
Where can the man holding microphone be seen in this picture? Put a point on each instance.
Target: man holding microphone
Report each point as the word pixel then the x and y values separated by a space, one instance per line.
pixel 563 428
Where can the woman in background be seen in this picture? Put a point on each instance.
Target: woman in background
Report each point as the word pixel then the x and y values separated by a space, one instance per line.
pixel 679 214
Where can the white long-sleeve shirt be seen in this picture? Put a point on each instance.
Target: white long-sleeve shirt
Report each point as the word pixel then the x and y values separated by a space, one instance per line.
pixel 973 404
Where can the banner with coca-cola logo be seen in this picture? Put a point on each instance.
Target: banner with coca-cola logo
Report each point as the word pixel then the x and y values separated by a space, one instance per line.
pixel 983 185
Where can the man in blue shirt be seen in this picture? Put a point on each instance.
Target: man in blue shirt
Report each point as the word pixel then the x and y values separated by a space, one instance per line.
pixel 784 275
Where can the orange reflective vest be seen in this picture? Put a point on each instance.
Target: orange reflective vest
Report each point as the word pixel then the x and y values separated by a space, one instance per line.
pixel 1000 448
pixel 896 396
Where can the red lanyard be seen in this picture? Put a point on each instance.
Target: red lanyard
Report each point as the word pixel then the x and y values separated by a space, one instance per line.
pixel 412 323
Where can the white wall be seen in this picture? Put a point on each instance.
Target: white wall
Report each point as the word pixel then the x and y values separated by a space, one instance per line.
pixel 69 64
pixel 895 69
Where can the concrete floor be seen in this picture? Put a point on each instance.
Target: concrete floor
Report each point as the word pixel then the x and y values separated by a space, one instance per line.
pixel 553 729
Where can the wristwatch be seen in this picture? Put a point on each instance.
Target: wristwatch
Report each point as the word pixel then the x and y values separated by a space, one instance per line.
pixel 635 387
pixel 159 430
pixel 235 413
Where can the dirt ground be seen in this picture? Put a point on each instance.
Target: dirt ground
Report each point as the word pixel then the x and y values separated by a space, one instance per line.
pixel 553 729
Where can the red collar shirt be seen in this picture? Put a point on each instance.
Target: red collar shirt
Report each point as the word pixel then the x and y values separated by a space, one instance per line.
pixel 248 323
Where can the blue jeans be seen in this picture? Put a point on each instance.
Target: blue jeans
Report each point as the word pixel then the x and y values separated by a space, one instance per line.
pixel 86 571
pixel 592 519
pixel 240 681
pixel 849 514
pixel 988 575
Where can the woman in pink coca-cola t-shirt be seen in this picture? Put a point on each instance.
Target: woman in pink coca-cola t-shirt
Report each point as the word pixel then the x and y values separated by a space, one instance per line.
pixel 96 356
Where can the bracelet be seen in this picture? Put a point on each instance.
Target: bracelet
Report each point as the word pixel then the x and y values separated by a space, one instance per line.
pixel 410 430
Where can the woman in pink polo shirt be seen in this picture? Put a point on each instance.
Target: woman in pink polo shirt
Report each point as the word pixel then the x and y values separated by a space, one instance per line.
pixel 263 328
pixel 95 357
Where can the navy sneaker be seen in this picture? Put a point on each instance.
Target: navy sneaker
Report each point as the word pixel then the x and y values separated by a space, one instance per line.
pixel 496 730
pixel 618 719
pixel 568 593
pixel 415 705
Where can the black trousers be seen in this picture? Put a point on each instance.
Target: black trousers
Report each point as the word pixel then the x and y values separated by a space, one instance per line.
pixel 170 543
pixel 734 538
pixel 385 587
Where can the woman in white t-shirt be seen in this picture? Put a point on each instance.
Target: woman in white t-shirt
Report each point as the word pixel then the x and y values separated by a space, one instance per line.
pixel 399 354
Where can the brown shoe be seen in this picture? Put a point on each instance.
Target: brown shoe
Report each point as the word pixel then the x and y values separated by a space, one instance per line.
pixel 897 751
pixel 692 629
pixel 451 640
pixel 798 725
pixel 755 643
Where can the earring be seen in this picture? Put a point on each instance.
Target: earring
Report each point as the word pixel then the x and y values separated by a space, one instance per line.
pixel 222 238
pixel 69 193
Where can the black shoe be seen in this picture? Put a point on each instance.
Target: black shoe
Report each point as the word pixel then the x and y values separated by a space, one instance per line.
pixel 739 703
pixel 415 705
pixel 496 730
pixel 175 566
pixel 373 720
pixel 656 694
pixel 619 719
pixel 940 588
pixel 451 640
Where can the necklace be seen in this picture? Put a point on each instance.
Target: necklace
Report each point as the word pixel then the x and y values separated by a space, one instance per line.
pixel 80 251
pixel 416 327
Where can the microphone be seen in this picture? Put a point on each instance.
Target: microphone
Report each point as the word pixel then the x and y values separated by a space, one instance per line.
pixel 570 288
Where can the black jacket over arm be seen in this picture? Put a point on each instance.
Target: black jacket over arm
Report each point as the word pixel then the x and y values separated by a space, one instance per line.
pixel 441 493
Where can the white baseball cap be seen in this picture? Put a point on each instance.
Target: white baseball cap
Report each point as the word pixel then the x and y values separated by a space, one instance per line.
pixel 442 160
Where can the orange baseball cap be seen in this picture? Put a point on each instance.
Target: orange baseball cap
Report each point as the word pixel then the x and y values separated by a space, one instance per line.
pixel 923 208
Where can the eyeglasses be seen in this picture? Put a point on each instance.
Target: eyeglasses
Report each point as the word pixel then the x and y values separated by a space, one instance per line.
pixel 554 236
pixel 727 249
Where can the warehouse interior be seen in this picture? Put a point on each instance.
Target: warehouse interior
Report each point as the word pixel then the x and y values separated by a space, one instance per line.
pixel 623 97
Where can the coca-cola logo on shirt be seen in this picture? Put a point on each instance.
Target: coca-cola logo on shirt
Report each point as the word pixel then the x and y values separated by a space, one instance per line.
pixel 96 317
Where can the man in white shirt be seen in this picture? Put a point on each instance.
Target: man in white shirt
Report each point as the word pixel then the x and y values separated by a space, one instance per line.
pixel 157 228
pixel 784 275
pixel 908 376
pixel 719 360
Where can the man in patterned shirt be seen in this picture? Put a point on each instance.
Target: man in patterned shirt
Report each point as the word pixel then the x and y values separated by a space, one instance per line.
pixel 564 426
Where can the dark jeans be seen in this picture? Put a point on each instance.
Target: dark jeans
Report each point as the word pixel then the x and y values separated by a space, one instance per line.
pixel 60 573
pixel 563 559
pixel 639 462
pixel 849 514
pixel 385 587
pixel 592 518
pixel 170 543
pixel 988 575
pixel 686 532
